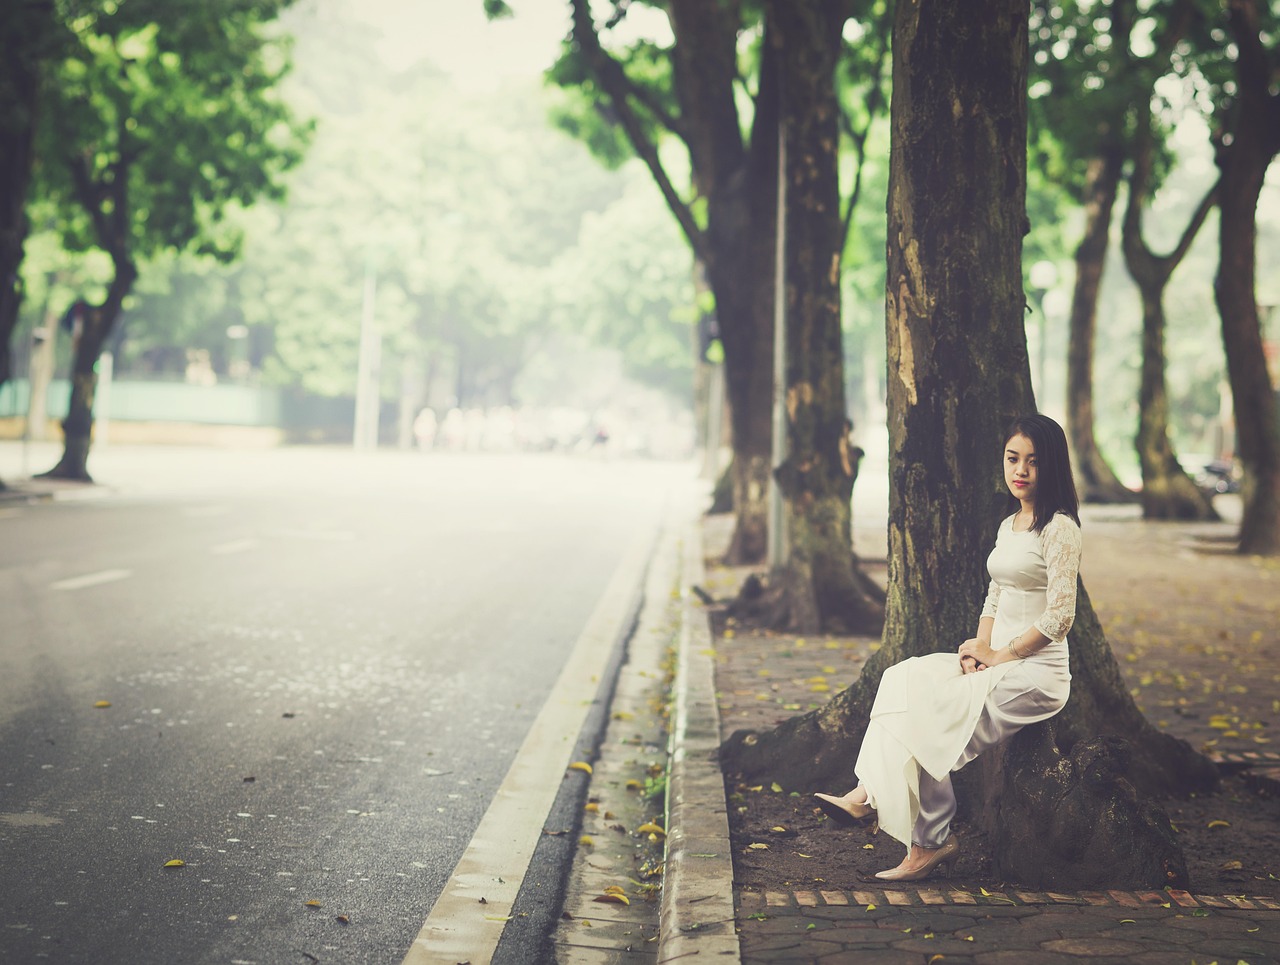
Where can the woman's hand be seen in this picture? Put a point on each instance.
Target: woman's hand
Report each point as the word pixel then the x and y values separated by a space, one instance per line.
pixel 976 654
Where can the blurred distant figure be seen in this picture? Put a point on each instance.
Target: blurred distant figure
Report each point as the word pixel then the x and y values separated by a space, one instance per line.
pixel 424 429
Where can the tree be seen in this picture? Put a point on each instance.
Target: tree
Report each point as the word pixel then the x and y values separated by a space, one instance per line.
pixel 958 372
pixel 1167 491
pixel 28 37
pixel 1247 138
pixel 819 586
pixel 164 116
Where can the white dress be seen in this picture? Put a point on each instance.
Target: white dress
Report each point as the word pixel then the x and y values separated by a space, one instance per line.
pixel 926 710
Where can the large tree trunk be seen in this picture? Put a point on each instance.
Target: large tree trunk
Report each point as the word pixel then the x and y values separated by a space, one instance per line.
pixel 1167 491
pixel 1097 480
pixel 818 586
pixel 958 373
pixel 1243 160
pixel 21 49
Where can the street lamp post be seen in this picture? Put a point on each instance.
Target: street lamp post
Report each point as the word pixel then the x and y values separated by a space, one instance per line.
pixel 1044 274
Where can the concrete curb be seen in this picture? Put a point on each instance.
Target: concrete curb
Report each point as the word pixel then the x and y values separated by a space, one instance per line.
pixel 697 911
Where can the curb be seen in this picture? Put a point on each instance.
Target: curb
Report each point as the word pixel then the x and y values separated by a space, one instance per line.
pixel 697 910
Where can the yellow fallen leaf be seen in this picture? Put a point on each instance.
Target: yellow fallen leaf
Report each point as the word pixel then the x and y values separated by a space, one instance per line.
pixel 633 785
pixel 591 808
pixel 778 827
pixel 1219 824
pixel 623 715
pixel 1231 866
pixel 615 890
pixel 1127 921
pixel 497 917
pixel 871 907
pixel 758 787
pixel 868 847
pixel 342 919
pixel 758 847
pixel 650 828
pixel 616 898
pixel 586 841
pixel 580 766
pixel 799 855
pixel 312 903
pixel 775 787
pixel 175 863
pixel 102 704
pixel 819 689
pixel 935 958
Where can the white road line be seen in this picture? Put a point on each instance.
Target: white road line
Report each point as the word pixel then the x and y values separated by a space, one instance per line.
pixel 460 928
pixel 91 579
pixel 235 546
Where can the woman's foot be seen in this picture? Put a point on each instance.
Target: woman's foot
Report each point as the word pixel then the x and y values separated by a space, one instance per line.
pixel 848 810
pixel 923 862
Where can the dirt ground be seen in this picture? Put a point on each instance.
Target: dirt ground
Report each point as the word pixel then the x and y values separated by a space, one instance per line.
pixel 1196 629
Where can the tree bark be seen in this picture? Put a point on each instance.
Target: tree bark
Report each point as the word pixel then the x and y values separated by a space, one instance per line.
pixel 1097 481
pixel 1167 491
pixel 817 587
pixel 958 374
pixel 24 35
pixel 1243 159
pixel 106 200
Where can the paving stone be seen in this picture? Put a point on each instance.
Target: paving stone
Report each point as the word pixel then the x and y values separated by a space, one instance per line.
pixel 862 937
pixel 1091 947
pixel 838 913
pixel 951 948
pixel 876 956
pixel 1153 932
pixel 1023 956
pixel 1238 948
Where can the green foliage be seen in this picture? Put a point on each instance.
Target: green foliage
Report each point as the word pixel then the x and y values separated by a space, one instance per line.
pixel 169 109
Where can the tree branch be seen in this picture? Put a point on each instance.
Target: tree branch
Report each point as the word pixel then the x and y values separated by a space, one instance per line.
pixel 615 83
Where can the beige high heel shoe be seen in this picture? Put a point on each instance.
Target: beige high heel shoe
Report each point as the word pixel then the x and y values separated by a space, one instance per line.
pixel 845 815
pixel 944 857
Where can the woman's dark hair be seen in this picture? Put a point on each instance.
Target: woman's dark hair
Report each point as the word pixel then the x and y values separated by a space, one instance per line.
pixel 1055 486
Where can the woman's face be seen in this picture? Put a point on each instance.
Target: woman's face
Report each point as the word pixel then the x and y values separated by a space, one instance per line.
pixel 1020 469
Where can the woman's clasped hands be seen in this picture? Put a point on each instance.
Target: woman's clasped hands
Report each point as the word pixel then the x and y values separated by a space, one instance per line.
pixel 975 655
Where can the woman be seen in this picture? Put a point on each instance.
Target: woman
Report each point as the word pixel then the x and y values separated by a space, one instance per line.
pixel 932 715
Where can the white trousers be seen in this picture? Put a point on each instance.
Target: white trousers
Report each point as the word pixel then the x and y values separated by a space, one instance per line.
pixel 907 795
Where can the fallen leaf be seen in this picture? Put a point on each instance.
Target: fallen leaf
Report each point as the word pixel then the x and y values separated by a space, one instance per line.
pixel 871 907
pixel 649 828
pixel 580 766
pixel 497 917
pixel 342 920
pixel 1127 921
pixel 758 847
pixel 634 785
pixel 591 808
pixel 586 841
pixel 1231 866
pixel 312 903
pixel 175 863
pixel 935 958
pixel 799 855
pixel 102 704
pixel 778 827
pixel 868 847
pixel 1219 824
pixel 612 898
pixel 775 787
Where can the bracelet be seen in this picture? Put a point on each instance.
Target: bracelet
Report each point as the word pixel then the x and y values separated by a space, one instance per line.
pixel 1013 645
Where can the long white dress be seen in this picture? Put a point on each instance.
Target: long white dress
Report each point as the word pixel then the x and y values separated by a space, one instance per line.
pixel 927 711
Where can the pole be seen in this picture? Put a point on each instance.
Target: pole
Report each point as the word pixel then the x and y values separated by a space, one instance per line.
pixel 368 396
pixel 778 550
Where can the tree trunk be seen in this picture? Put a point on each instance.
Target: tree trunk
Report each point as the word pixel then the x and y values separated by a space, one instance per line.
pixel 1167 491
pixel 958 373
pixel 818 587
pixel 1243 161
pixel 20 54
pixel 1097 480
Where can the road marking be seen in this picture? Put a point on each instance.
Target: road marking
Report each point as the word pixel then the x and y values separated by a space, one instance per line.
pixel 235 546
pixel 91 579
pixel 460 928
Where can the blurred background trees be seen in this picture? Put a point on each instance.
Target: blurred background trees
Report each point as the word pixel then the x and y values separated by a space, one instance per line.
pixel 501 264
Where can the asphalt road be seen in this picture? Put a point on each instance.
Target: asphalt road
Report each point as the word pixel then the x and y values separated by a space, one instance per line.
pixel 319 668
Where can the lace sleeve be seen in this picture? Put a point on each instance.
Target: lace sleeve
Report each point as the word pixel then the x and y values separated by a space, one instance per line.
pixel 992 601
pixel 1060 543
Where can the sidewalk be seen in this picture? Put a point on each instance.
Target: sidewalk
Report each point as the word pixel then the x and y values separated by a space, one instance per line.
pixel 791 905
